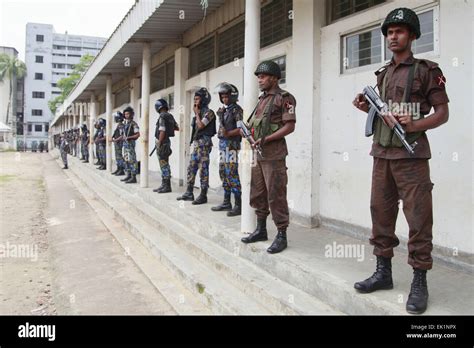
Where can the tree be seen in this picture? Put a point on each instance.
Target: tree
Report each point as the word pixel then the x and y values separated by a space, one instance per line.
pixel 67 84
pixel 11 67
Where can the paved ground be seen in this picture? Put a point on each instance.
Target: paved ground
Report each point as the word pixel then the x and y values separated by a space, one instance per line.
pixel 56 257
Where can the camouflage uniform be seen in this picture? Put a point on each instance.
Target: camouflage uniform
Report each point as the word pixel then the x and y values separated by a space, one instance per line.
pixel 63 149
pixel 101 154
pixel 129 154
pixel 118 146
pixel 201 152
pixel 163 151
pixel 229 150
pixel 85 145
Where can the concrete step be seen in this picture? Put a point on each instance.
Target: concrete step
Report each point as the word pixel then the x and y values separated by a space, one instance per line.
pixel 280 297
pixel 304 264
pixel 220 296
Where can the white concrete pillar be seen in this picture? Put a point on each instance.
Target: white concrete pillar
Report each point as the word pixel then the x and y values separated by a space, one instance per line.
pixel 181 73
pixel 305 85
pixel 145 119
pixel 108 125
pixel 252 56
pixel 134 95
pixel 92 118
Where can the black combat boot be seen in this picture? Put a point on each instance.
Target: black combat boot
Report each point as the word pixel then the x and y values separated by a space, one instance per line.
pixel 237 209
pixel 158 189
pixel 116 171
pixel 102 167
pixel 129 175
pixel 260 233
pixel 226 205
pixel 418 298
pixel 97 163
pixel 132 180
pixel 65 166
pixel 280 243
pixel 380 280
pixel 166 186
pixel 188 195
pixel 120 172
pixel 202 198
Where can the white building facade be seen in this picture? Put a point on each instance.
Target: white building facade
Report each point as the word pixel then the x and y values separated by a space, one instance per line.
pixel 328 51
pixel 49 57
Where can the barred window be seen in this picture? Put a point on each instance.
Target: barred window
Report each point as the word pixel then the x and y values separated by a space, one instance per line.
pixel 276 23
pixel 158 79
pixel 38 76
pixel 39 38
pixel 202 57
pixel 37 112
pixel 343 8
pixel 38 95
pixel 122 97
pixel 170 74
pixel 38 127
pixel 38 59
pixel 281 61
pixel 361 49
pixel 231 44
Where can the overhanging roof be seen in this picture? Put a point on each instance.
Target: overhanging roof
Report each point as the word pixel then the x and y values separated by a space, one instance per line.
pixel 155 21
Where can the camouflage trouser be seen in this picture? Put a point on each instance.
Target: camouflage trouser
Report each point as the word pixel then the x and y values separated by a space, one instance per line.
pixel 229 167
pixel 101 153
pixel 164 166
pixel 118 155
pixel 200 158
pixel 130 157
pixel 85 151
pixel 63 156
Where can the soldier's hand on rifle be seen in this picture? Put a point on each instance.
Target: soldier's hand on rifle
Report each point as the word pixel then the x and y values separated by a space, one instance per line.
pixel 360 103
pixel 406 120
pixel 256 143
pixel 196 109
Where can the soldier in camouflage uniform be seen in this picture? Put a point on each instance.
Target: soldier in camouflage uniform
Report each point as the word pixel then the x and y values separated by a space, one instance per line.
pixel 398 175
pixel 204 128
pixel 64 148
pixel 85 143
pixel 100 141
pixel 165 128
pixel 117 139
pixel 131 134
pixel 229 146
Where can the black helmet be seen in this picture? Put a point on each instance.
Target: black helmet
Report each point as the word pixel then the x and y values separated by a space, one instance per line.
pixel 403 16
pixel 84 127
pixel 230 89
pixel 118 116
pixel 161 103
pixel 130 110
pixel 268 67
pixel 205 96
pixel 101 122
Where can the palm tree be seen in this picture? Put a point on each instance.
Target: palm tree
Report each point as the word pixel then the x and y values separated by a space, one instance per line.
pixel 11 67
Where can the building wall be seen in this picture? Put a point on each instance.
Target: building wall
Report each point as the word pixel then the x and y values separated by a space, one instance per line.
pixel 345 163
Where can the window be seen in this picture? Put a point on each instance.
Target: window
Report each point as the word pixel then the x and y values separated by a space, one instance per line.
pixel 74 55
pixel 158 79
pixel 59 66
pixel 122 97
pixel 54 85
pixel 363 49
pixel 39 38
pixel 38 59
pixel 170 74
pixel 46 127
pixel 276 23
pixel 281 61
pixel 369 46
pixel 38 95
pixel 38 128
pixel 202 57
pixel 37 112
pixel 59 73
pixel 59 47
pixel 56 92
pixel 30 127
pixel 343 8
pixel 38 76
pixel 73 48
pixel 59 54
pixel 231 44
